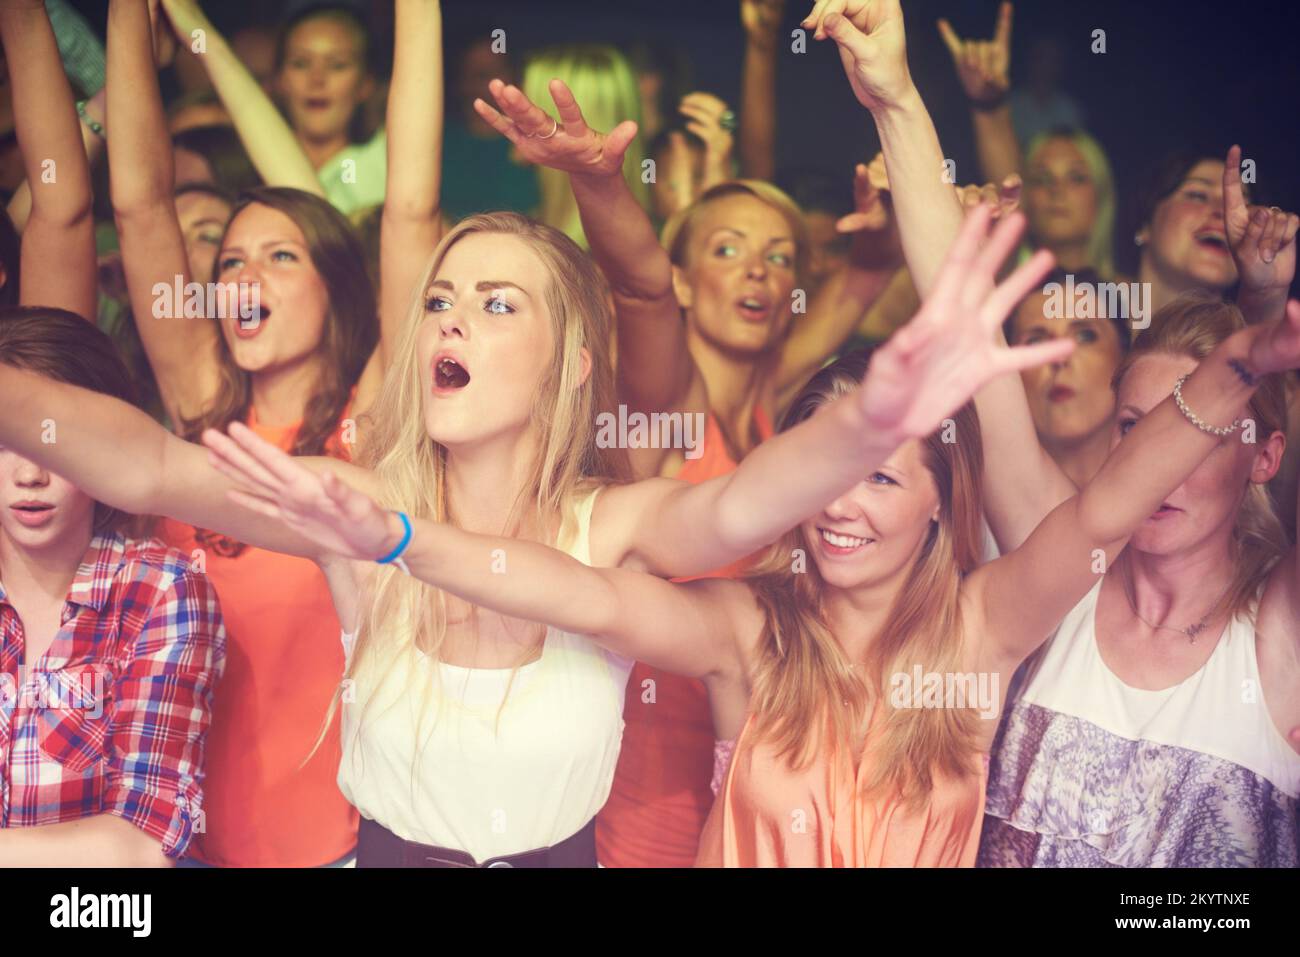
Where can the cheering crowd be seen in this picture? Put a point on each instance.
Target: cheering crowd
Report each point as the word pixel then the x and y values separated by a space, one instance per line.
pixel 319 545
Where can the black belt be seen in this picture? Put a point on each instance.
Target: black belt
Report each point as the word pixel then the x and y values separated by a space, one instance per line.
pixel 379 847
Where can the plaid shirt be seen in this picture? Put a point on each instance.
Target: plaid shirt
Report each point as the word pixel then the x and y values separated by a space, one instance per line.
pixel 112 718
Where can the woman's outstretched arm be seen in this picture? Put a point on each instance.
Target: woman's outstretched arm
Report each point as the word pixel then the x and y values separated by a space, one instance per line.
pixel 686 629
pixel 120 456
pixel 182 352
pixel 1026 593
pixel 267 137
pixel 655 370
pixel 412 216
pixel 924 373
pixel 58 244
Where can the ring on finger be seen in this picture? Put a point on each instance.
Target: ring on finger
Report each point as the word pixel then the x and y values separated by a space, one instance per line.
pixel 554 129
pixel 728 120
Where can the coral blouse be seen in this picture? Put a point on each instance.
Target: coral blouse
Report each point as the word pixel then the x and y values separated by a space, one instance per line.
pixel 769 815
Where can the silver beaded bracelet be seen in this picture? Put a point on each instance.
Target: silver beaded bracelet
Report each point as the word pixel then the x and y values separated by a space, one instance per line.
pixel 1195 419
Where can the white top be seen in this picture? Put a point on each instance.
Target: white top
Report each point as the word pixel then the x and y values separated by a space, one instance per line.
pixel 355 177
pixel 1219 710
pixel 1091 772
pixel 491 785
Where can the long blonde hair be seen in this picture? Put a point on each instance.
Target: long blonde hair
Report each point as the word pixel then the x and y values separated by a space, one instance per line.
pixel 402 615
pixel 606 88
pixel 1193 325
pixel 804 689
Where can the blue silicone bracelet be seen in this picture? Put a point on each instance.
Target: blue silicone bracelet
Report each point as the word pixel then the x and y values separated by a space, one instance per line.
pixel 396 553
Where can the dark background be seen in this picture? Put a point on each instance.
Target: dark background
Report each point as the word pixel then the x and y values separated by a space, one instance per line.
pixel 1176 72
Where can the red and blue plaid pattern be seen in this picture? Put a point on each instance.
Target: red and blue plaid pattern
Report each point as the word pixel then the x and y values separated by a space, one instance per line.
pixel 112 719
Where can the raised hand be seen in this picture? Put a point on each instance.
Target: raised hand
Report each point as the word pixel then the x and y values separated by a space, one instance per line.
pixel 566 144
pixel 982 65
pixel 872 45
pixel 704 117
pixel 1262 240
pixel 761 19
pixel 1005 198
pixel 320 507
pixel 938 361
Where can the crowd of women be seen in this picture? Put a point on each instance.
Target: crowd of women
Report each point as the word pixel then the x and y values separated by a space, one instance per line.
pixel 313 552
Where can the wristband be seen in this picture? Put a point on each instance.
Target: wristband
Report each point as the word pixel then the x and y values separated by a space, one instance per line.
pixel 395 556
pixel 96 127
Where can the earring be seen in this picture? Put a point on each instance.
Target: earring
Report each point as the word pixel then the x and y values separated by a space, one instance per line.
pixel 1138 240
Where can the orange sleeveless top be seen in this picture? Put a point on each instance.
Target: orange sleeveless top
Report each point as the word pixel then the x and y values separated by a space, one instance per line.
pixel 283 665
pixel 661 794
pixel 768 815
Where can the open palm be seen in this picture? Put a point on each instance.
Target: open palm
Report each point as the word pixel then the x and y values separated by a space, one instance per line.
pixel 567 144
pixel 937 362
pixel 318 506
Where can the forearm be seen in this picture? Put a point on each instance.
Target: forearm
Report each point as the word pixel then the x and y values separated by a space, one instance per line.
pixel 757 131
pixel 412 216
pixel 45 118
pixel 622 238
pixel 141 170
pixel 995 142
pixel 1022 483
pixel 103 840
pixel 20 204
pixel 270 143
pixel 110 450
pixel 1163 448
pixel 1259 306
pixel 929 215
pixel 513 577
pixel 415 113
pixel 783 481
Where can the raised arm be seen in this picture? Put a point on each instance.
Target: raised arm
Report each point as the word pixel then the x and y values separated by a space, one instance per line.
pixel 58 240
pixel 118 455
pixel 1263 245
pixel 1026 593
pixel 920 376
pixel 872 47
pixel 412 217
pixel 983 68
pixel 676 627
pixel 762 22
pixel 1022 483
pixel 655 368
pixel 181 351
pixel 269 141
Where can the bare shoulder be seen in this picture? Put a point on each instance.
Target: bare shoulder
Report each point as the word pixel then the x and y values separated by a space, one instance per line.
pixel 1277 647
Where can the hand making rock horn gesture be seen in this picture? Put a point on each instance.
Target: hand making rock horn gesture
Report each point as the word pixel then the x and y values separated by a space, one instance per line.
pixel 982 65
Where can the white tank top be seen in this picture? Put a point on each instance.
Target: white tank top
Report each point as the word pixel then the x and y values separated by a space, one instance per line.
pixel 1092 771
pixel 491 784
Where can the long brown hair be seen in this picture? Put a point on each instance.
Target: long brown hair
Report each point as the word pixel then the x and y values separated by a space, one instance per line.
pixel 62 346
pixel 1193 325
pixel 803 686
pixel 351 328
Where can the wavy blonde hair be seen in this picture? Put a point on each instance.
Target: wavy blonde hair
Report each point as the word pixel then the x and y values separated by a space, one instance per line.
pixel 1193 325
pixel 606 88
pixel 804 689
pixel 402 615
